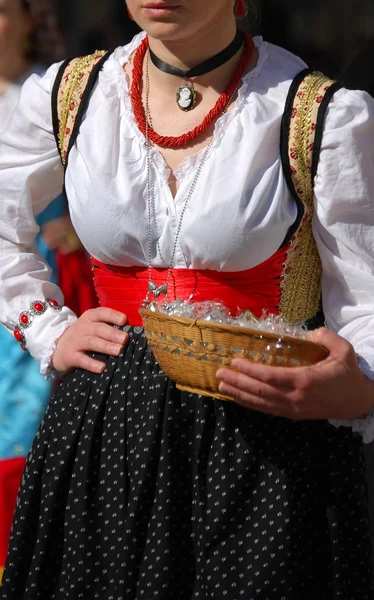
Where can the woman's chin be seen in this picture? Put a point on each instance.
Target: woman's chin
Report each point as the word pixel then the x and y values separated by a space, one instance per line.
pixel 164 30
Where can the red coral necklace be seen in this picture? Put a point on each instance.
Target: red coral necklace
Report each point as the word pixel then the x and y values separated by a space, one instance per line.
pixel 220 106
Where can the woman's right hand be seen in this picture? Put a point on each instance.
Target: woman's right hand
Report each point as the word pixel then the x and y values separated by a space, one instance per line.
pixel 92 332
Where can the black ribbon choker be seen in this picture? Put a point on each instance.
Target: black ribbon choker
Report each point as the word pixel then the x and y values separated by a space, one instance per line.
pixel 208 65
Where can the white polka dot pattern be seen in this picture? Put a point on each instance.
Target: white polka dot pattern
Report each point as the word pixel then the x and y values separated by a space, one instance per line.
pixel 135 491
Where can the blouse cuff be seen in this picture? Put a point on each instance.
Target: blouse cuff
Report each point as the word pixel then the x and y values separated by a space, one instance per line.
pixel 46 355
pixel 42 335
pixel 365 425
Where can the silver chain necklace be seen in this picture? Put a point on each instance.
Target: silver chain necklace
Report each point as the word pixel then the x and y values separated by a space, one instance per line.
pixel 153 289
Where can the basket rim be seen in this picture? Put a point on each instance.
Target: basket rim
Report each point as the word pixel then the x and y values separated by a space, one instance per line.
pixel 259 333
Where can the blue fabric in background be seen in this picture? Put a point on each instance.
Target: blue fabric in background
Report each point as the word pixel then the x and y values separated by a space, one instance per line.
pixel 24 393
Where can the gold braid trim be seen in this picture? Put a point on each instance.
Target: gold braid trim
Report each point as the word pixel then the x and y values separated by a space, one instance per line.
pixel 69 96
pixel 301 279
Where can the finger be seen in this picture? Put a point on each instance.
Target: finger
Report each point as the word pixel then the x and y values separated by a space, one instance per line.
pixel 280 377
pixel 334 343
pixel 91 343
pixel 106 315
pixel 65 247
pixel 51 241
pixel 83 361
pixel 107 332
pixel 256 389
pixel 250 402
pixel 50 232
pixel 58 224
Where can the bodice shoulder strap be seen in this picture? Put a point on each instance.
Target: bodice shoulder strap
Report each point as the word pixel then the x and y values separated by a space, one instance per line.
pixel 302 127
pixel 301 138
pixel 70 96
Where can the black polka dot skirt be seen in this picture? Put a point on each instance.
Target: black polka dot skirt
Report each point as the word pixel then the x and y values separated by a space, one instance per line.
pixel 136 491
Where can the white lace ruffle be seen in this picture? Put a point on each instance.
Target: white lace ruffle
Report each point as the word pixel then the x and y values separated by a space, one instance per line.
pixel 365 425
pixel 121 57
pixel 45 360
pixel 222 124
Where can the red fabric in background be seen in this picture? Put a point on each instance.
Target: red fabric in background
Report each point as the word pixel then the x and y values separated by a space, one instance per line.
pixel 257 289
pixel 75 280
pixel 10 477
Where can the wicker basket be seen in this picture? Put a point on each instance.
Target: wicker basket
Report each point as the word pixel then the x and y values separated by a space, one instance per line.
pixel 190 352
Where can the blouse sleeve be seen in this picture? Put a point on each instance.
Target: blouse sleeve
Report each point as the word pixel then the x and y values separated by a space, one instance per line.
pixel 31 176
pixel 344 229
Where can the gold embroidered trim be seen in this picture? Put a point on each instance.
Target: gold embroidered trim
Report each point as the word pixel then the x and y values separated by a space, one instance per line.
pixel 70 93
pixel 301 279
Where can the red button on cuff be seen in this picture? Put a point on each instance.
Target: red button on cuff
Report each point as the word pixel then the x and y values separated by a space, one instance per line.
pixel 18 335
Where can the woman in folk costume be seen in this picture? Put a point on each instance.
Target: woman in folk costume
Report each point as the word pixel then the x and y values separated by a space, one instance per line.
pixel 181 177
pixel 29 40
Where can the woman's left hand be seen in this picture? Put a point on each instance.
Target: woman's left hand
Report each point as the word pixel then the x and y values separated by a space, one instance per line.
pixel 332 389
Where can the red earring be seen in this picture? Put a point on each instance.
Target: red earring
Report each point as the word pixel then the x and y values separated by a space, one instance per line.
pixel 240 9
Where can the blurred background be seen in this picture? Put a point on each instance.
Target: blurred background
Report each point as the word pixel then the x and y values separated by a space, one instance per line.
pixel 327 34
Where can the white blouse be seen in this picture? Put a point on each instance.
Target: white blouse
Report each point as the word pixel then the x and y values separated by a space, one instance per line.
pixel 8 102
pixel 240 194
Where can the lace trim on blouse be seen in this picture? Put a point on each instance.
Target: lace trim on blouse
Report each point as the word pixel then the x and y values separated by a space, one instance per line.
pixel 365 425
pixel 121 57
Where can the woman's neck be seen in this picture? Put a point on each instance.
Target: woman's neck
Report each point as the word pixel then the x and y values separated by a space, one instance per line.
pixel 191 51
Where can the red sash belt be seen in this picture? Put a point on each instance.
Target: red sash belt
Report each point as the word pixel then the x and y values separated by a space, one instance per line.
pixel 125 288
pixel 75 281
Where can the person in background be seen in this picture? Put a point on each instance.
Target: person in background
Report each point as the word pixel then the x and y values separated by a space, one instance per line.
pixel 29 42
